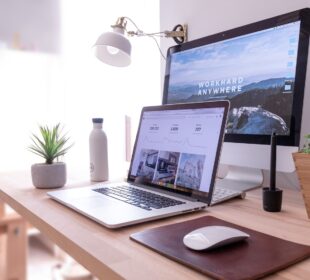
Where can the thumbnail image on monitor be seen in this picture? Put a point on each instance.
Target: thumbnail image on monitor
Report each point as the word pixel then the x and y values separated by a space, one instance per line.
pixel 260 68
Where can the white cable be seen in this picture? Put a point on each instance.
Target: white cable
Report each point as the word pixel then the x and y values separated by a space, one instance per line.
pixel 139 32
pixel 157 44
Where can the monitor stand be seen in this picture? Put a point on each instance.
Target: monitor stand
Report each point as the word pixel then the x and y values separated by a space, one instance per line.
pixel 241 178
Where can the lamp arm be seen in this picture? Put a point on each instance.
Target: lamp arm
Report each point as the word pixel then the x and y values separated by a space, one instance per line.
pixel 134 24
pixel 179 32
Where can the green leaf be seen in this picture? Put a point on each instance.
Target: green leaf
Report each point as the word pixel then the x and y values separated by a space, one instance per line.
pixel 50 143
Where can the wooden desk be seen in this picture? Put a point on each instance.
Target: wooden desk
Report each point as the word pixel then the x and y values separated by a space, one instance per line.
pixel 110 254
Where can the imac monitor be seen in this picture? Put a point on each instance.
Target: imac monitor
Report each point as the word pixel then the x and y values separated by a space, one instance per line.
pixel 260 68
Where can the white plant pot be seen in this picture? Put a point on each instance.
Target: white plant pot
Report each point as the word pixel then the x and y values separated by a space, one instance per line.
pixel 49 175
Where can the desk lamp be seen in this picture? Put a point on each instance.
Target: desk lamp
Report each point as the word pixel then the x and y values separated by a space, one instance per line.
pixel 114 48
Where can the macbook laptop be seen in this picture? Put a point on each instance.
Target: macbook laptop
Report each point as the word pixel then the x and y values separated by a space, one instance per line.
pixel 172 171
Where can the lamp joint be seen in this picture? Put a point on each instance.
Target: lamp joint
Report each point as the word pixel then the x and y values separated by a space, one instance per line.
pixel 179 33
pixel 120 23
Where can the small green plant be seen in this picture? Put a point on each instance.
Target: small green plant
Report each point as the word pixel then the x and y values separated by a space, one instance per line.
pixel 306 148
pixel 51 143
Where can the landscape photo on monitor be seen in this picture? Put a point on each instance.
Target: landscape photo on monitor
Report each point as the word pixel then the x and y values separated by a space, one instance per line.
pixel 255 72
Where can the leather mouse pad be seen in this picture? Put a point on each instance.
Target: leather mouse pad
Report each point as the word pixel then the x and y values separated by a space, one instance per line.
pixel 258 256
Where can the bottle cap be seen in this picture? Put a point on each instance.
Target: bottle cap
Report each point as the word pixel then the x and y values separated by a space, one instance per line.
pixel 97 120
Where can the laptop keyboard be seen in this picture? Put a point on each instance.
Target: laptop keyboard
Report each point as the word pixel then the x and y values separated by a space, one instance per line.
pixel 221 194
pixel 143 199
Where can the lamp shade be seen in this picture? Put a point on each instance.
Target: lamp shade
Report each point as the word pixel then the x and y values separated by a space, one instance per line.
pixel 113 48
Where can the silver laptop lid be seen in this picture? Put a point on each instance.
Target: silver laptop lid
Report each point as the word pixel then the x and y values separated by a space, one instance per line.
pixel 178 146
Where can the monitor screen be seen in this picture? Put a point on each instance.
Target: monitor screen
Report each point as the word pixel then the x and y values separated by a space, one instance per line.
pixel 260 68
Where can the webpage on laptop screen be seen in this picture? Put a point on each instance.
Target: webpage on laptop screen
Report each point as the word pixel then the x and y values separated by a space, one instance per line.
pixel 177 148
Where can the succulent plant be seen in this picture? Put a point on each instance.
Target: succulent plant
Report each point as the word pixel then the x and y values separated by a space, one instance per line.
pixel 50 144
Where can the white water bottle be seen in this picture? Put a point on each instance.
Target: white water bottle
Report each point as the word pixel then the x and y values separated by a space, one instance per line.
pixel 98 152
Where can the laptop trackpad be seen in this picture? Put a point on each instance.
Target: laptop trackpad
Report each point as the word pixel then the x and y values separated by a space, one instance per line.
pixel 90 203
pixel 100 203
pixel 110 212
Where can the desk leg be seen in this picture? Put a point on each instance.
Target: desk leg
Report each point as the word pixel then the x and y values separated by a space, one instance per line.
pixel 1 209
pixel 16 253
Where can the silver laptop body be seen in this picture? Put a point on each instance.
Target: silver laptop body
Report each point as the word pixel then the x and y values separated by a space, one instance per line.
pixel 172 171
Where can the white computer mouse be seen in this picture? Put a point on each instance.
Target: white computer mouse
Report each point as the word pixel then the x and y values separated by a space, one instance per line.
pixel 211 237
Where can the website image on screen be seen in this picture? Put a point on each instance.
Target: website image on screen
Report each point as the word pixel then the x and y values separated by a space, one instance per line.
pixel 255 72
pixel 175 149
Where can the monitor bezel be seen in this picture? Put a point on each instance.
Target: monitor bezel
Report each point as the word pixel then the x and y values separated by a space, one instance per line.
pixel 303 16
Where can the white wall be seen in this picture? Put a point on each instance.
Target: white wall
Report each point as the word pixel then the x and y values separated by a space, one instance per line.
pixel 72 86
pixel 206 17
pixel 93 89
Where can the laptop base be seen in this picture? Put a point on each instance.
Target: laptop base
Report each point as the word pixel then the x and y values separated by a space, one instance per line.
pixel 241 179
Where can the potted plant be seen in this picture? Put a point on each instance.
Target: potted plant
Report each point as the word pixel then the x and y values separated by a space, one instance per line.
pixel 302 163
pixel 50 144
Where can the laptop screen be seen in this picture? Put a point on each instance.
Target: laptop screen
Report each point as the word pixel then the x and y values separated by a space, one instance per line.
pixel 178 149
